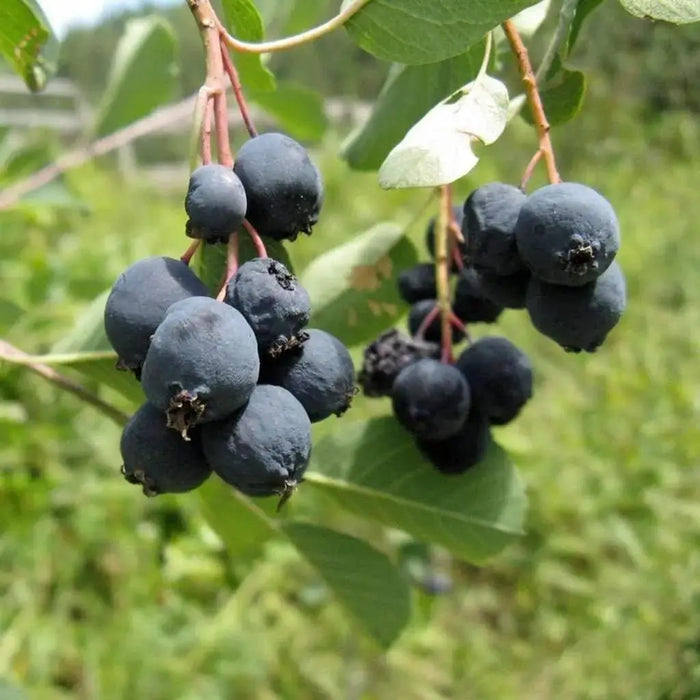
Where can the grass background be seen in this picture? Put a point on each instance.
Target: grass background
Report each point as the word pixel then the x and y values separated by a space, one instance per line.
pixel 106 594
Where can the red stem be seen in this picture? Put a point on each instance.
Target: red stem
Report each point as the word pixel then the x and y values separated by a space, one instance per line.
pixel 206 131
pixel 231 264
pixel 221 121
pixel 187 256
pixel 459 325
pixel 425 323
pixel 257 240
pixel 232 73
pixel 527 174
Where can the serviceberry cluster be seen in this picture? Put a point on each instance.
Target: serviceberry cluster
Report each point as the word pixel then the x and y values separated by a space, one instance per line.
pixel 233 383
pixel 551 252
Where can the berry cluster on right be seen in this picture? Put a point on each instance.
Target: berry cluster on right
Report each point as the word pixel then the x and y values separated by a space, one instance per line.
pixel 552 253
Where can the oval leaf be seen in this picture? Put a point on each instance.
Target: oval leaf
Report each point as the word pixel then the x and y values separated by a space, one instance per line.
pixel 373 469
pixel 438 149
pixel 244 21
pixel 26 41
pixel 297 109
pixel 675 11
pixel 362 579
pixel 353 287
pixel 563 101
pixel 408 93
pixel 415 31
pixel 142 76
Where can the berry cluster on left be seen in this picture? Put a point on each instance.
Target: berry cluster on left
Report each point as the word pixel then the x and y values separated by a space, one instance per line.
pixel 232 383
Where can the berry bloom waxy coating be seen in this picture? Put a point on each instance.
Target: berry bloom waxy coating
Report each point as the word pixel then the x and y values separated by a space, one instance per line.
pixel 500 377
pixel 283 186
pixel 470 305
pixel 567 234
pixel 490 213
pixel 417 283
pixel 157 458
pixel 508 291
pixel 216 203
pixel 138 302
pixel 202 364
pixel 430 399
pixel 263 449
pixel 578 318
pixel 273 302
pixel 319 373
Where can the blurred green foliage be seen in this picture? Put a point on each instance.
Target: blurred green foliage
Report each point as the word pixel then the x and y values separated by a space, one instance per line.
pixel 106 594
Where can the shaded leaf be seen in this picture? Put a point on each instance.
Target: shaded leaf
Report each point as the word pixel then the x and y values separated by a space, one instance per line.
pixel 373 469
pixel 529 20
pixel 142 76
pixel 675 11
pixel 438 149
pixel 353 286
pixel 236 519
pixel 363 579
pixel 244 22
pixel 408 93
pixel 297 109
pixel 415 31
pixel 583 9
pixel 26 41
pixel 562 101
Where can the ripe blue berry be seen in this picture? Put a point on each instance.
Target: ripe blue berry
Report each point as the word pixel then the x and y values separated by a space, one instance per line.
pixel 418 313
pixel 490 213
pixel 470 304
pixel 216 203
pixel 202 364
pixel 319 373
pixel 567 234
pixel 417 283
pixel 499 376
pixel 578 318
pixel 265 448
pixel 283 186
pixel 430 399
pixel 507 291
pixel 386 356
pixel 467 447
pixel 138 302
pixel 157 459
pixel 273 302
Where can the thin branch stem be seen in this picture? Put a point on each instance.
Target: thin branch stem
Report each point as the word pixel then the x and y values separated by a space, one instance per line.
pixel 293 41
pixel 14 355
pixel 223 144
pixel 232 73
pixel 457 322
pixel 487 57
pixel 427 321
pixel 187 256
pixel 527 174
pixel 205 140
pixel 198 120
pixel 533 98
pixel 231 264
pixel 442 270
pixel 257 240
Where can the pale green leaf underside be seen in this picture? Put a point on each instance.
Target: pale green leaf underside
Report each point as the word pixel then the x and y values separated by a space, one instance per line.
pixel 373 469
pixel 438 149
pixel 353 286
pixel 675 11
pixel 142 76
pixel 362 579
pixel 416 31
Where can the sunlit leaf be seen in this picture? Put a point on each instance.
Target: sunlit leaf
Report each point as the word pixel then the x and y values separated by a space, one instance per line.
pixel 675 11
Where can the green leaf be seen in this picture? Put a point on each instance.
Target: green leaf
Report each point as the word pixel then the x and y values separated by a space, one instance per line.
pixel 244 22
pixel 438 149
pixel 583 9
pixel 236 519
pixel 563 101
pixel 363 579
pixel 142 76
pixel 373 469
pixel 26 41
pixel 675 11
pixel 416 31
pixel 297 109
pixel 529 20
pixel 87 350
pixel 353 287
pixel 211 261
pixel 408 93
